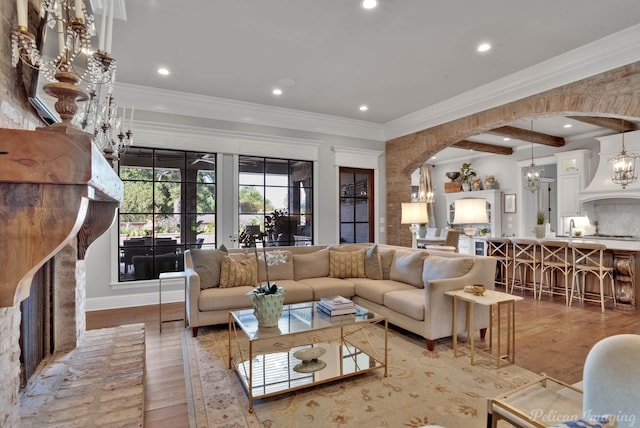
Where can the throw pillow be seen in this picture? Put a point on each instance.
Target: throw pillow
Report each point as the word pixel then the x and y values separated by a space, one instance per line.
pixel 207 264
pixel 282 269
pixel 407 267
pixel 236 273
pixel 386 258
pixel 311 265
pixel 436 267
pixel 346 264
pixel 372 263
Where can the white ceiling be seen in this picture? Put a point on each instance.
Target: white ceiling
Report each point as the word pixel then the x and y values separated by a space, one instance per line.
pixel 397 59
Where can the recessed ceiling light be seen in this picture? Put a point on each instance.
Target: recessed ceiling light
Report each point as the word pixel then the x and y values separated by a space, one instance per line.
pixel 433 158
pixel 277 91
pixel 506 139
pixel 364 108
pixel 483 47
pixel 163 71
pixel 568 125
pixel 369 4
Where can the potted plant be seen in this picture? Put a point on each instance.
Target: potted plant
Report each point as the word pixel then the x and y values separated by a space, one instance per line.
pixel 466 174
pixel 266 299
pixel 539 228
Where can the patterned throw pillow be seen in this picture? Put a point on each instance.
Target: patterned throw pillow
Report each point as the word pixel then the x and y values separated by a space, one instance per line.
pixel 346 264
pixel 236 273
pixel 372 261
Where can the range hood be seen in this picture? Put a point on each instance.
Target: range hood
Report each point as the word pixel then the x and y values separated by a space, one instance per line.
pixel 601 186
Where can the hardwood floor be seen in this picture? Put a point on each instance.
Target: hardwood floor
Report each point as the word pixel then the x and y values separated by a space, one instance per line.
pixel 551 338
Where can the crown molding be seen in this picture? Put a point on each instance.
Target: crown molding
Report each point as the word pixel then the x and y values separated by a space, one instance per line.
pixel 185 104
pixel 607 53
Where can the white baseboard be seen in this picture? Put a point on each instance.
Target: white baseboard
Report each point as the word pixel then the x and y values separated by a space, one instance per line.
pixel 132 300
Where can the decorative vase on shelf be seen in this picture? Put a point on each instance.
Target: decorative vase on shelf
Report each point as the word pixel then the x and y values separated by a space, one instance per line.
pixel 466 186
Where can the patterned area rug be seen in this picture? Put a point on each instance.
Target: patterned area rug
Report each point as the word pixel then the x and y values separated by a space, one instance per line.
pixel 422 388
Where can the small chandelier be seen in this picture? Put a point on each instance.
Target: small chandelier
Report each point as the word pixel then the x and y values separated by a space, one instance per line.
pixel 533 173
pixel 623 167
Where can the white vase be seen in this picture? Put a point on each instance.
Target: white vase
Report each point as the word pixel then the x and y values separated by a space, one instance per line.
pixel 267 308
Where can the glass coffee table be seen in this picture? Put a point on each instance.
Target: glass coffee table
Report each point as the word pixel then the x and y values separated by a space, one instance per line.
pixel 306 348
pixel 542 403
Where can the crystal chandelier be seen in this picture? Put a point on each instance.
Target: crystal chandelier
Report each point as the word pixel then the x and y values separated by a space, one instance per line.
pixel 623 167
pixel 77 73
pixel 533 173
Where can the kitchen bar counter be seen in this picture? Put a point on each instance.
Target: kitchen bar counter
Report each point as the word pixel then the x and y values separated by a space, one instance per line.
pixel 624 254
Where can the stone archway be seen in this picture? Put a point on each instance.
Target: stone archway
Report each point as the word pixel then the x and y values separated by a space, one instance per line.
pixel 615 93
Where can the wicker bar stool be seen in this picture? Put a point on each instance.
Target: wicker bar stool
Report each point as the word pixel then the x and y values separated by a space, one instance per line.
pixel 500 249
pixel 524 258
pixel 555 259
pixel 589 258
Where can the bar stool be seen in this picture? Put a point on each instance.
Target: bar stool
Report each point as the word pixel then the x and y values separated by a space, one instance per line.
pixel 524 258
pixel 499 248
pixel 554 259
pixel 589 258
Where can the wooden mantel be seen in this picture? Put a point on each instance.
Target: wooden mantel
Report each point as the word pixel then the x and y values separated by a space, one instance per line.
pixel 54 185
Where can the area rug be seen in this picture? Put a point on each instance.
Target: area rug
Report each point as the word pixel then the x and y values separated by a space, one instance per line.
pixel 422 388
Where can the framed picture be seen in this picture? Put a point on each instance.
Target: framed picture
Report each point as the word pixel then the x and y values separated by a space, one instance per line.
pixel 509 203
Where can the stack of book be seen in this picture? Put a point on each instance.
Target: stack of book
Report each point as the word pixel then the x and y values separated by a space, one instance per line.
pixel 336 305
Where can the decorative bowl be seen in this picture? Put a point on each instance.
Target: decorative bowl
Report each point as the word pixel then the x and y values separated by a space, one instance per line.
pixel 475 289
pixel 453 175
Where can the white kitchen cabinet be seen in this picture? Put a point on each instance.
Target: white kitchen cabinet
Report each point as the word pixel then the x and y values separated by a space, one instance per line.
pixel 573 175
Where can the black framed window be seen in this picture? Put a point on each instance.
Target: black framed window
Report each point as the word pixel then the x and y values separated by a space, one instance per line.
pixel 356 205
pixel 169 205
pixel 280 188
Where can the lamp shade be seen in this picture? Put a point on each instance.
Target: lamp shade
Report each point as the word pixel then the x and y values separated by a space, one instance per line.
pixel 414 212
pixel 470 211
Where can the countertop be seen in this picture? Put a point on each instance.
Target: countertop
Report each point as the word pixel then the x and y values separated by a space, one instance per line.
pixel 612 244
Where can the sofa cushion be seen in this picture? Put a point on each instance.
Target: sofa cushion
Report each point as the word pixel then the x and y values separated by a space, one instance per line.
pixel 386 258
pixel 375 289
pixel 346 264
pixel 296 291
pixel 207 264
pixel 327 287
pixel 436 267
pixel 217 299
pixel 237 273
pixel 280 265
pixel 406 302
pixel 311 265
pixel 407 267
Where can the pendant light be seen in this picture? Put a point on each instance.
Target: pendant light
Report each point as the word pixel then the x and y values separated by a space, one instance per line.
pixel 623 167
pixel 533 172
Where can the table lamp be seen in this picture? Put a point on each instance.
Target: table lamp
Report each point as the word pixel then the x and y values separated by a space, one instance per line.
pixel 414 213
pixel 470 211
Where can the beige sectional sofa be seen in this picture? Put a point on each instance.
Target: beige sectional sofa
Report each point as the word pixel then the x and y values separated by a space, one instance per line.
pixel 406 285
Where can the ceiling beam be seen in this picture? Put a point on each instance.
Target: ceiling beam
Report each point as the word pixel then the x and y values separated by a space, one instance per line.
pixel 526 135
pixel 483 147
pixel 617 125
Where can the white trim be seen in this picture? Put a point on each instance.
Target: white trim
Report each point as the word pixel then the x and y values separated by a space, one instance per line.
pixel 194 105
pixel 354 157
pixel 132 300
pixel 605 54
pixel 156 135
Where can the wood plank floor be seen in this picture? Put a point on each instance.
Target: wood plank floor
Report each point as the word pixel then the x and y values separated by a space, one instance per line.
pixel 551 338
